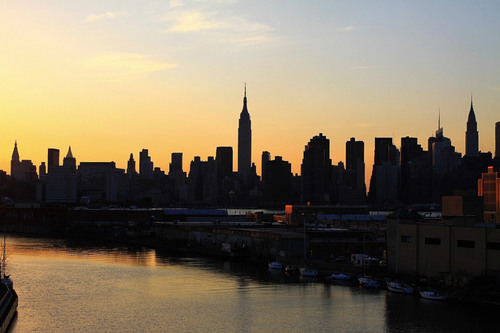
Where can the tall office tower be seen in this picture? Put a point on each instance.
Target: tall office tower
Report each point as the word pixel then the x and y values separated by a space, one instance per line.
pixel 42 169
pixel 244 140
pixel 131 166
pixel 497 140
pixel 22 170
pixel 415 172
pixel 277 181
pixel 202 181
pixel 471 135
pixel 15 163
pixel 175 164
pixel 355 162
pixel 61 181
pixel 52 158
pixel 69 161
pixel 266 157
pixel 384 180
pixel 317 171
pixel 145 165
pixel 224 162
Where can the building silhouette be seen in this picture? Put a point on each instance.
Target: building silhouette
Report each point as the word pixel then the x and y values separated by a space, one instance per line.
pixel 177 179
pixel 202 181
pixel 131 166
pixel 52 158
pixel 471 135
pixel 316 171
pixel 497 140
pixel 61 181
pixel 22 170
pixel 145 165
pixel 277 181
pixel 385 174
pixel 244 141
pixel 224 161
pixel 69 161
pixel 266 157
pixel 353 187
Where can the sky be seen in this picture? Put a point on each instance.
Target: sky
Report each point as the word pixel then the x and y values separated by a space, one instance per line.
pixel 111 77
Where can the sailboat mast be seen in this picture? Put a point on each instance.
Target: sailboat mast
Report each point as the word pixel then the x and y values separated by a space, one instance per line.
pixel 2 273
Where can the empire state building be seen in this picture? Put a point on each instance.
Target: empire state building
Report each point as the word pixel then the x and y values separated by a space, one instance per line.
pixel 244 140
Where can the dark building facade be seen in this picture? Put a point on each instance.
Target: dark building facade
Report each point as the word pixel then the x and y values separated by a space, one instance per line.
pixel 224 161
pixel 384 179
pixel 277 182
pixel 52 158
pixel 145 165
pixel 316 171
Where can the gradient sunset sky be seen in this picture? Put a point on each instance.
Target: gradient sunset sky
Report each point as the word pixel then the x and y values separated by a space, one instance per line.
pixel 109 78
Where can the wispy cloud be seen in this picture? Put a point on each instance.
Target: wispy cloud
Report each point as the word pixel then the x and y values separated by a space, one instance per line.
pixel 126 63
pixel 176 3
pixel 104 16
pixel 362 125
pixel 356 68
pixel 347 28
pixel 192 21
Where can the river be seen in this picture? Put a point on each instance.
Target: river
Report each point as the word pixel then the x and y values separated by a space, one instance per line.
pixel 68 286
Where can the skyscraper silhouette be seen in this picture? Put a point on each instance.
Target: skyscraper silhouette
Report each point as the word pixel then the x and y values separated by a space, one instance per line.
pixel 317 171
pixel 145 165
pixel 69 161
pixel 497 140
pixel 131 166
pixel 52 158
pixel 471 135
pixel 244 140
pixel 355 162
pixel 15 162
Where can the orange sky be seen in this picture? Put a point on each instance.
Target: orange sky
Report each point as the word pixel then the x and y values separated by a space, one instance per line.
pixel 112 77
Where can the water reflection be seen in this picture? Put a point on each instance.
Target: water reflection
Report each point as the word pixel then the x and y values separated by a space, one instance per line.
pixel 81 286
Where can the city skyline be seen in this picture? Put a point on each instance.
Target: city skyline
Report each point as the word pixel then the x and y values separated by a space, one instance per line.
pixel 112 78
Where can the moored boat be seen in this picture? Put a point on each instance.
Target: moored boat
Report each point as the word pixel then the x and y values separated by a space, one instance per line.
pixel 340 276
pixel 400 287
pixel 275 265
pixel 433 295
pixel 304 271
pixel 8 297
pixel 368 282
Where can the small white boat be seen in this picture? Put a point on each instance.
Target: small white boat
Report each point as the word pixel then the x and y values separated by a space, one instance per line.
pixel 367 282
pixel 304 271
pixel 275 265
pixel 433 295
pixel 400 287
pixel 339 277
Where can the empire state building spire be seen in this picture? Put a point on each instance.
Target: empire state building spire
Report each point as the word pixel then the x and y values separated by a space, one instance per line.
pixel 244 140
pixel 471 134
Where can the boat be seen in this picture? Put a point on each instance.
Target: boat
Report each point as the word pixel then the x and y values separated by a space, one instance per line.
pixel 367 282
pixel 429 293
pixel 8 297
pixel 400 287
pixel 305 271
pixel 340 276
pixel 433 295
pixel 290 268
pixel 275 265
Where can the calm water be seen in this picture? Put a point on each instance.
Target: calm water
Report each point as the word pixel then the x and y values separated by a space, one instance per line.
pixel 66 287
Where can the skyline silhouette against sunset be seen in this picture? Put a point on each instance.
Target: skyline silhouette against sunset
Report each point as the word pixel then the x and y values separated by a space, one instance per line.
pixel 110 78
